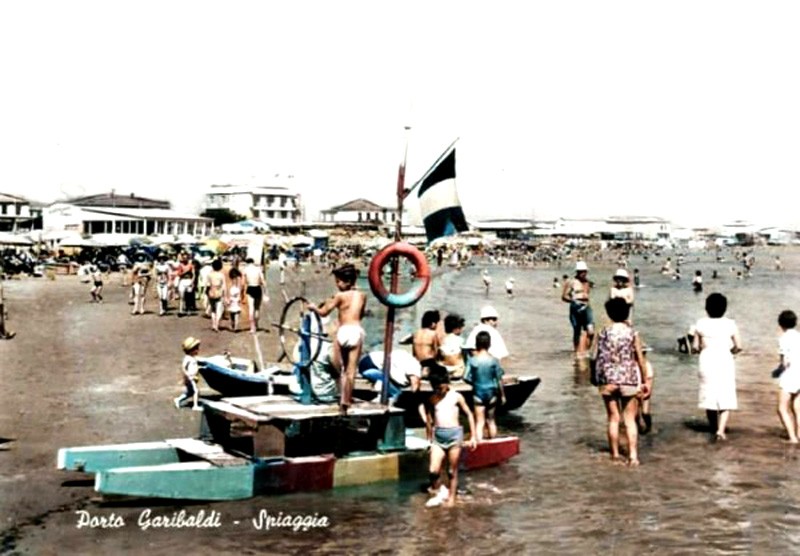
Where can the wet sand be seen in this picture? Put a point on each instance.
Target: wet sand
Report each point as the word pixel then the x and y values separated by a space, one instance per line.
pixel 82 373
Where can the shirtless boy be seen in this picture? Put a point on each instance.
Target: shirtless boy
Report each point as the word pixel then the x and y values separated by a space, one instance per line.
pixel 350 303
pixel 427 340
pixel 441 413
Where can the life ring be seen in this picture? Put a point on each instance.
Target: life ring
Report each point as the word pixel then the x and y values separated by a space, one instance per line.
pixel 422 278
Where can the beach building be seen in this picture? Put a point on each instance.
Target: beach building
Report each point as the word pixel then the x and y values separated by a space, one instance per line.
pixel 360 212
pixel 16 213
pixel 507 228
pixel 274 205
pixel 115 218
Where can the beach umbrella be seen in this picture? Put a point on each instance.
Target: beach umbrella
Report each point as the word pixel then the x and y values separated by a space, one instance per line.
pixel 77 241
pixel 14 239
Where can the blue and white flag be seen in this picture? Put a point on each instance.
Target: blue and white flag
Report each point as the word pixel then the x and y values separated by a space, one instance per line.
pixel 438 199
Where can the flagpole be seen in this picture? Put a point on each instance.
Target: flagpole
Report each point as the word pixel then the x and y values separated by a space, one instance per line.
pixel 388 334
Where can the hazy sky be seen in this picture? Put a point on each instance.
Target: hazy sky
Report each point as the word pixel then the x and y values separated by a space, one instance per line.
pixel 688 110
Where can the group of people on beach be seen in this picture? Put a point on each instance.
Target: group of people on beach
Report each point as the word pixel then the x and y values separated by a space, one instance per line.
pixel 183 279
pixel 624 377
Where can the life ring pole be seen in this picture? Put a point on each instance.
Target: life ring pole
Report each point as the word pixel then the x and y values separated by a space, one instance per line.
pixel 388 333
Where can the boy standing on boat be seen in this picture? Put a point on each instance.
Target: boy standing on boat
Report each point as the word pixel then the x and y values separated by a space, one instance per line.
pixel 350 303
pixel 441 413
pixel 190 372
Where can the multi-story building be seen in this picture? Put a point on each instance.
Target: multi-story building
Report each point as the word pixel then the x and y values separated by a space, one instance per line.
pixel 274 205
pixel 360 211
pixel 15 213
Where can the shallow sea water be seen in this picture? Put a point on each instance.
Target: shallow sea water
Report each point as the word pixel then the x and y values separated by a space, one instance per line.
pixel 562 495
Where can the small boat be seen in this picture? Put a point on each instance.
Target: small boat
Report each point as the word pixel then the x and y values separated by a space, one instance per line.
pixel 517 389
pixel 237 376
pixel 264 445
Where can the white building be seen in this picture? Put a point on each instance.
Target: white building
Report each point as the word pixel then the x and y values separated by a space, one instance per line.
pixel 274 205
pixel 360 211
pixel 15 213
pixel 122 217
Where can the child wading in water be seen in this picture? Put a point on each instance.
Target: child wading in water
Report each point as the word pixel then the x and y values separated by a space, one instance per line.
pixel 440 413
pixel 789 375
pixel 350 302
pixel 190 372
pixel 486 377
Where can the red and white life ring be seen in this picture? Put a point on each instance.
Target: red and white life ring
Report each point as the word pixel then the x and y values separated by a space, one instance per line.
pixel 422 275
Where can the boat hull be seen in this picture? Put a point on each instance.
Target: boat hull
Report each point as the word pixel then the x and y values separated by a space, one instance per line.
pixel 223 476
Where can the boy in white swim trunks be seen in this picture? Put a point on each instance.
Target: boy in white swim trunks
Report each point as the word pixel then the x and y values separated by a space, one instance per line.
pixel 350 303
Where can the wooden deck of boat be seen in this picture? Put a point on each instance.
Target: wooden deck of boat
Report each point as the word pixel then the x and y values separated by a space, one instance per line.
pixel 262 409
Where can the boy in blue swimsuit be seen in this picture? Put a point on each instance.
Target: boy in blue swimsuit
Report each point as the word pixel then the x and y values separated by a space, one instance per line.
pixel 485 375
pixel 441 415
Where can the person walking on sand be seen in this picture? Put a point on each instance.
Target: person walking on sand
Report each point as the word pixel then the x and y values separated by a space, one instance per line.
pixel 618 372
pixel 216 292
pixel 162 284
pixel 716 339
pixel 97 284
pixel 255 287
pixel 510 287
pixel 350 304
pixel 788 373
pixel 235 297
pixel 190 374
pixel 441 416
pixel 576 293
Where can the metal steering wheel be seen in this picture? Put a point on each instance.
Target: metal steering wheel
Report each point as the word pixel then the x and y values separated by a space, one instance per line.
pixel 308 339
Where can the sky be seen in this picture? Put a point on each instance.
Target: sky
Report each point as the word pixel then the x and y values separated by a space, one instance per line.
pixel 687 110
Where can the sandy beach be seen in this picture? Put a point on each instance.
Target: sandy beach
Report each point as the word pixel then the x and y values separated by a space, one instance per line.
pixel 81 373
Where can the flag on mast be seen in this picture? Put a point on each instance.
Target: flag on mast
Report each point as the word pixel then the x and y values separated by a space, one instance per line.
pixel 438 198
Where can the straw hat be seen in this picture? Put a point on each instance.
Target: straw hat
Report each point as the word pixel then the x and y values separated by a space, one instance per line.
pixel 190 343
pixel 581 266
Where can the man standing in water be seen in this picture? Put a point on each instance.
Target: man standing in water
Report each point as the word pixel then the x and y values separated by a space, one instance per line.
pixel 576 293
pixel 255 286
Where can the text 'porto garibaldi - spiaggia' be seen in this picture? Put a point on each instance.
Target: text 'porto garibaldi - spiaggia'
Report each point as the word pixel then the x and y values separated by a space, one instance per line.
pixel 202 519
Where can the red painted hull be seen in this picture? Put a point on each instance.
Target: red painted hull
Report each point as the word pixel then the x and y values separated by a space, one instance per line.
pixel 490 452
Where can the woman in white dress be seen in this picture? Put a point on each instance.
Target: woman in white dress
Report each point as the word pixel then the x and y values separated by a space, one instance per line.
pixel 717 340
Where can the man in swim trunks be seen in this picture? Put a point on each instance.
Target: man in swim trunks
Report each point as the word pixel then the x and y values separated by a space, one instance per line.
pixel 350 303
pixel 441 415
pixel 576 293
pixel 254 288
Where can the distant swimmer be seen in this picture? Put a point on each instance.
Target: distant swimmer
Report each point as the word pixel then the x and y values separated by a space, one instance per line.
pixel 697 281
pixel 487 280
pixel 510 287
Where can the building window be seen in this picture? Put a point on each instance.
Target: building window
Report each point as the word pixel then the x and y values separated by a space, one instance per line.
pixel 359 217
pixel 283 201
pixel 270 199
